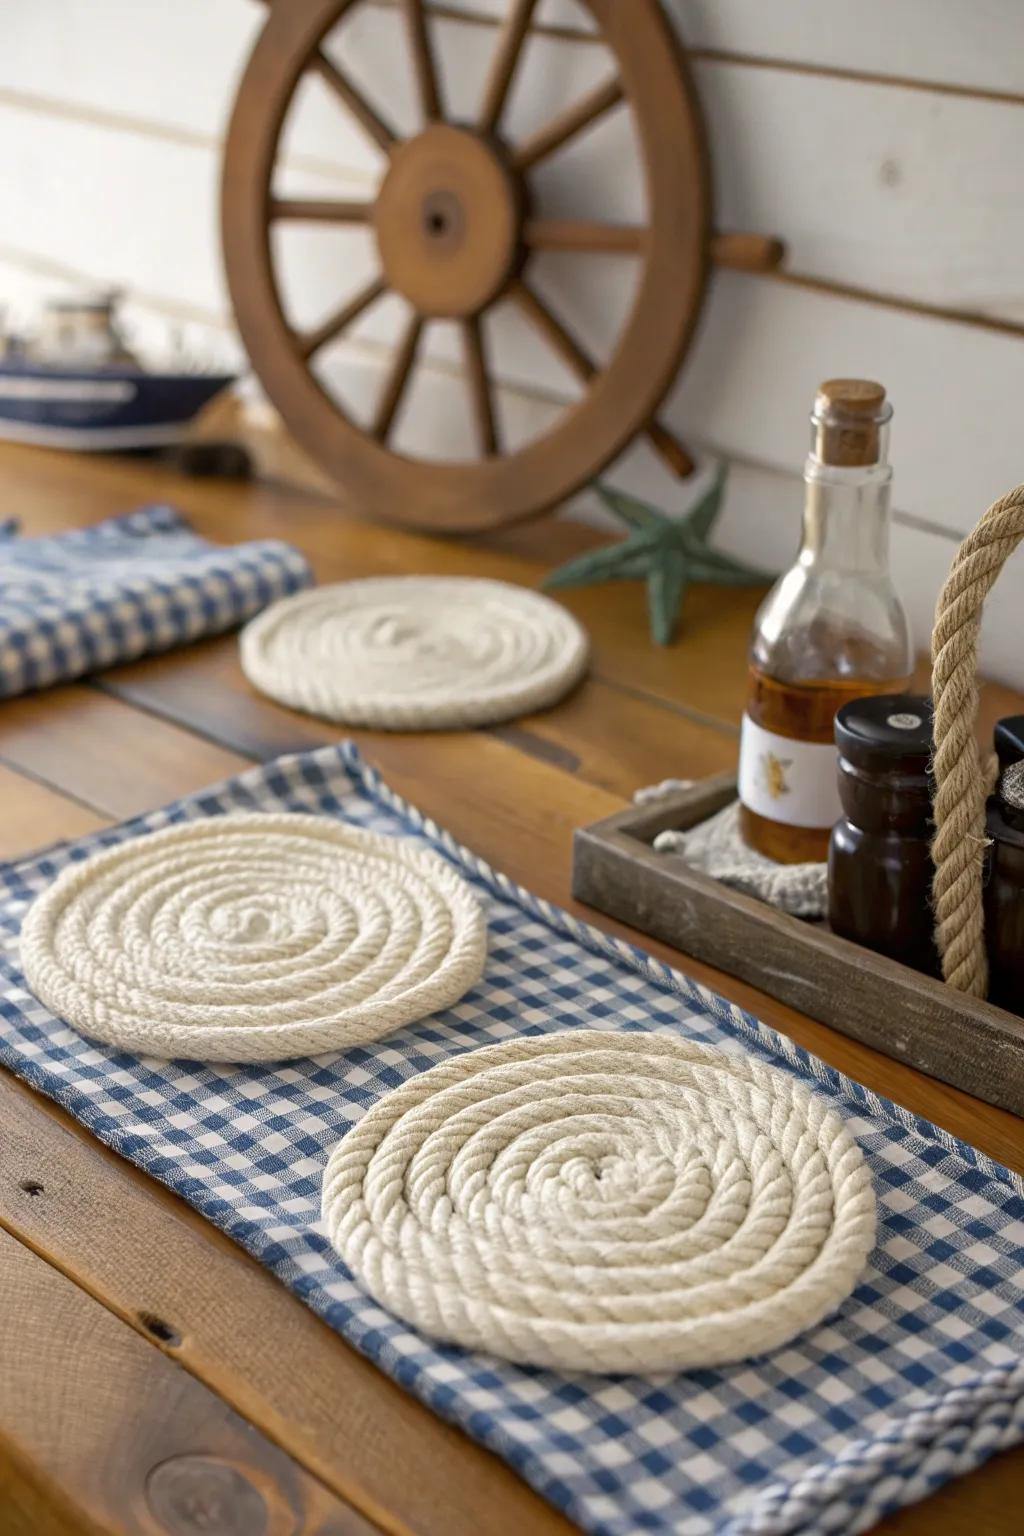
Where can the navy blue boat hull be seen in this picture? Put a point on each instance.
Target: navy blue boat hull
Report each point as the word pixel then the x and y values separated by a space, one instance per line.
pixel 102 410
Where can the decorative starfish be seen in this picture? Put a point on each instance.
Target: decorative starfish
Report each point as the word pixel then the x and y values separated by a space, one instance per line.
pixel 669 553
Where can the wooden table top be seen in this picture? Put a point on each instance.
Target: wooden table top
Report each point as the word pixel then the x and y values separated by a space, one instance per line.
pixel 151 1369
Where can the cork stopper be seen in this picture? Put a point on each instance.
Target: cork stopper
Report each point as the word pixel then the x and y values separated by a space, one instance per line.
pixel 848 416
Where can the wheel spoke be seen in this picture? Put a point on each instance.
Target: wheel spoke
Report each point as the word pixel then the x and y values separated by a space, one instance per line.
pixel 333 326
pixel 564 345
pixel 330 210
pixel 503 66
pixel 567 124
pixel 360 108
pixel 423 60
pixel 551 328
pixel 747 253
pixel 479 383
pixel 397 379
pixel 672 452
pixel 584 235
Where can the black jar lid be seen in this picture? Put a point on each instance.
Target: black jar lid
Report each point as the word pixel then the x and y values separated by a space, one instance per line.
pixel 887 731
pixel 1008 740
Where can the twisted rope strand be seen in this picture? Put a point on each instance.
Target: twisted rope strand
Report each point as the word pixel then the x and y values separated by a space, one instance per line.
pixel 962 778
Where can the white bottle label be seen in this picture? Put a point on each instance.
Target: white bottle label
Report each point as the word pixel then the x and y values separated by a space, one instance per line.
pixel 786 780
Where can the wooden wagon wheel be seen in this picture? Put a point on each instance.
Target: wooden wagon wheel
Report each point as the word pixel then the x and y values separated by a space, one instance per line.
pixel 455 229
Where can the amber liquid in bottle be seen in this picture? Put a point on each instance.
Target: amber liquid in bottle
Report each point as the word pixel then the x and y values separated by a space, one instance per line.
pixel 832 629
pixel 803 712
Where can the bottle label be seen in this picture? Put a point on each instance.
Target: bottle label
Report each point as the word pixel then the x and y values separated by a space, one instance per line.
pixel 794 782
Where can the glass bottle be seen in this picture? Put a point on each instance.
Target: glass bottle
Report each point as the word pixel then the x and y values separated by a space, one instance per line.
pixel 831 629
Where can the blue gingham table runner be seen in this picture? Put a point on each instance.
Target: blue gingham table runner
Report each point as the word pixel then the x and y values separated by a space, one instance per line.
pixel 74 602
pixel 917 1379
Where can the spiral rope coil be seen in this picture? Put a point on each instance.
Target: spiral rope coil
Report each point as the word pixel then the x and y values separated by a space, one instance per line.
pixel 603 1202
pixel 962 780
pixel 252 937
pixel 415 652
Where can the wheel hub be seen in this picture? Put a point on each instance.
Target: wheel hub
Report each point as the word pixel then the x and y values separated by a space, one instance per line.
pixel 448 221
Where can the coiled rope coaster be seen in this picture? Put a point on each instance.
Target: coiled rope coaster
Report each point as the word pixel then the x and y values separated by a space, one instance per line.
pixel 408 653
pixel 252 938
pixel 603 1202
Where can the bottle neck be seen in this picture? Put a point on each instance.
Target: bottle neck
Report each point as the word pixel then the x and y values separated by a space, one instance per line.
pixel 846 517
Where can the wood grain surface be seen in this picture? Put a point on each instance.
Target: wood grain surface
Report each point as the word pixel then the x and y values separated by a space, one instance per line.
pixel 33 815
pixel 153 1451
pixel 89 753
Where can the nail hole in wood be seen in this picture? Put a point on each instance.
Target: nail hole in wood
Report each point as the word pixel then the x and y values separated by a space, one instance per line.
pixel 31 1187
pixel 159 1329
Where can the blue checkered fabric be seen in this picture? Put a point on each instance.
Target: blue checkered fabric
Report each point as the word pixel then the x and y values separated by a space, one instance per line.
pixel 76 602
pixel 918 1378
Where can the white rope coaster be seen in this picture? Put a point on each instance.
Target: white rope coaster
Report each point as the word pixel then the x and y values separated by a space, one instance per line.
pixel 252 938
pixel 603 1202
pixel 716 846
pixel 403 653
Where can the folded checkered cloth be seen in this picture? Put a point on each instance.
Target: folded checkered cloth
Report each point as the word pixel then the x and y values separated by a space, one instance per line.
pixel 919 1377
pixel 80 601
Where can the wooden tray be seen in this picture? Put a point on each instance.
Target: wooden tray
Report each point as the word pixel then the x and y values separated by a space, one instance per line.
pixel 971 1044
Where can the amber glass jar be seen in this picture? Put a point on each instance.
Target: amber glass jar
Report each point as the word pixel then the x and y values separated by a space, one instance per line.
pixel 1004 891
pixel 879 861
pixel 832 629
pixel 1008 741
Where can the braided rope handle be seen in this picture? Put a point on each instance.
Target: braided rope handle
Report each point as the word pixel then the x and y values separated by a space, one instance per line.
pixel 962 778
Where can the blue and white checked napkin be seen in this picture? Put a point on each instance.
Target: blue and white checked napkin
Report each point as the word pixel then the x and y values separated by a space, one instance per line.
pixel 75 602
pixel 917 1379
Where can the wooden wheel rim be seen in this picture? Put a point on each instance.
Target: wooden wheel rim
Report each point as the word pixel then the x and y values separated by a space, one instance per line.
pixel 621 396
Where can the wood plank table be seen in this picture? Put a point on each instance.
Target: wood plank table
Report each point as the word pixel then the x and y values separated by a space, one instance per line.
pixel 153 1377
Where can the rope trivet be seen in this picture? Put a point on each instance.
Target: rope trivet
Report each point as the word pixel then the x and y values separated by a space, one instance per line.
pixel 603 1202
pixel 252 938
pixel 415 652
pixel 962 780
pixel 717 848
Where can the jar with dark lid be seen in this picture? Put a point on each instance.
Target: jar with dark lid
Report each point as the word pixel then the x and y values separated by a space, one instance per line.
pixel 1004 891
pixel 1009 741
pixel 879 862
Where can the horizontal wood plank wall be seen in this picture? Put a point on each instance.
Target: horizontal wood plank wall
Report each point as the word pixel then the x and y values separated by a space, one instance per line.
pixel 885 147
pixel 875 37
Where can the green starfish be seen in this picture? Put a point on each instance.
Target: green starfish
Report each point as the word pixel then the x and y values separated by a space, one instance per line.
pixel 668 553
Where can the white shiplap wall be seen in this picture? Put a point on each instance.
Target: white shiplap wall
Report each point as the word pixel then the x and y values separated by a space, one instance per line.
pixel 884 142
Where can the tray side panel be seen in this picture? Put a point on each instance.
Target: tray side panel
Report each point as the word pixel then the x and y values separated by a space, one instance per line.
pixel 909 1017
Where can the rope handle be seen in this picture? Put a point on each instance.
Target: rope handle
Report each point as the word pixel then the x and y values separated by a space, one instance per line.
pixel 963 776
